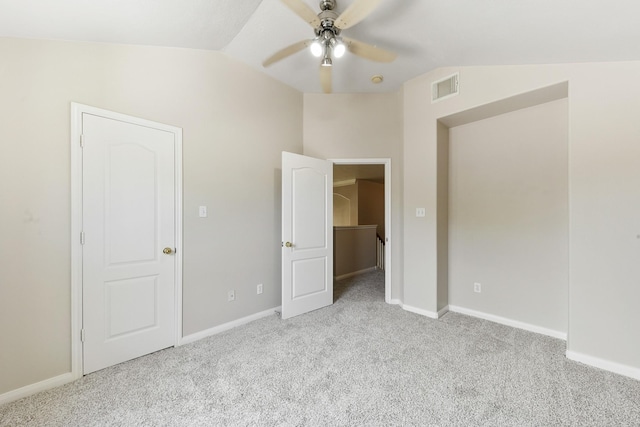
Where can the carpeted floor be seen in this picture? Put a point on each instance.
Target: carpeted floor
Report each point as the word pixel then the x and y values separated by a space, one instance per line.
pixel 368 363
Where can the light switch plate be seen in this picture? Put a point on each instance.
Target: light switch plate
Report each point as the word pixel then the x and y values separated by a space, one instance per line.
pixel 202 211
pixel 420 212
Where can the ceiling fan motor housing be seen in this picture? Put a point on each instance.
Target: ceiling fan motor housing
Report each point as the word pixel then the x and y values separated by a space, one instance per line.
pixel 327 19
pixel 327 4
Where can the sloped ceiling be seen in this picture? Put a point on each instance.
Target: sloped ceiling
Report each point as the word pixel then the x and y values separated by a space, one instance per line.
pixel 198 24
pixel 426 34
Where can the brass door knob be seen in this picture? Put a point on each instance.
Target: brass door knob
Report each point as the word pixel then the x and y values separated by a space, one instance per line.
pixel 289 245
pixel 167 251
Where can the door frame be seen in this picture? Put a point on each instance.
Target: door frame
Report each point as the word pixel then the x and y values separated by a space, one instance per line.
pixel 387 214
pixel 76 223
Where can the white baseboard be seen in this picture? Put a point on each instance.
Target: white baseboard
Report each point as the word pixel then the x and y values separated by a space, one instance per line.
pixel 226 326
pixel 354 273
pixel 30 389
pixel 509 322
pixel 395 302
pixel 430 314
pixel 617 368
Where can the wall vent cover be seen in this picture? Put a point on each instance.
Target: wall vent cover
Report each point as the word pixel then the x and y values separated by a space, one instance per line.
pixel 444 88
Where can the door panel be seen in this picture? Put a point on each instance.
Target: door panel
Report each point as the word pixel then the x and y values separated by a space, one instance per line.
pixel 309 277
pixel 131 306
pixel 131 181
pixel 128 283
pixel 307 224
pixel 308 208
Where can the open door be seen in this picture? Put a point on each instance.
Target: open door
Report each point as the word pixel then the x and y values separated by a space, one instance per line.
pixel 307 234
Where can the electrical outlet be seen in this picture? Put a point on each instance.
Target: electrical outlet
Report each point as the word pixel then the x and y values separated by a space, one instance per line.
pixel 421 212
pixel 477 287
pixel 259 289
pixel 231 295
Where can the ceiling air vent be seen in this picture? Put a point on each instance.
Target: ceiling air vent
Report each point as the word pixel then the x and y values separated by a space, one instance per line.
pixel 444 88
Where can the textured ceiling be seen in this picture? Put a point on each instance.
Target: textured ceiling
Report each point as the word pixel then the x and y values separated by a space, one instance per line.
pixel 199 24
pixel 426 34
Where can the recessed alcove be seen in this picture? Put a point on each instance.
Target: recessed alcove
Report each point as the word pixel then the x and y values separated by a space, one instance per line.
pixel 502 213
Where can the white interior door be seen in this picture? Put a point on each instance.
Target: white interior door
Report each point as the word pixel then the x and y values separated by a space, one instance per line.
pixel 307 234
pixel 129 240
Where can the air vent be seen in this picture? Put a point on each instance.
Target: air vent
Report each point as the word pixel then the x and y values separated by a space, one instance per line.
pixel 444 88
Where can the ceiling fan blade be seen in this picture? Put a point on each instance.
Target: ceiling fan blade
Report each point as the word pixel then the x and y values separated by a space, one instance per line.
pixel 355 13
pixel 368 51
pixel 287 51
pixel 304 11
pixel 325 79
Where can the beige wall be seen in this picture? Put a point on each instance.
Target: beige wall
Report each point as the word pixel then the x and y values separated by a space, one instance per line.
pixel 351 193
pixel 371 205
pixel 604 195
pixel 366 199
pixel 236 122
pixel 341 210
pixel 508 215
pixel 442 216
pixel 354 249
pixel 361 126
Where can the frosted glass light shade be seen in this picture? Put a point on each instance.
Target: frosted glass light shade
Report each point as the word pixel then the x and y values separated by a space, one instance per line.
pixel 316 48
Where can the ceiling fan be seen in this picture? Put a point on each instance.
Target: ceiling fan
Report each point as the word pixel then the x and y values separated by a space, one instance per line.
pixel 328 43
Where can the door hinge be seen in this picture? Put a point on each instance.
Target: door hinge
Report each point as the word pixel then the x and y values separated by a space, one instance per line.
pixel 82 335
pixel 82 141
pixel 82 237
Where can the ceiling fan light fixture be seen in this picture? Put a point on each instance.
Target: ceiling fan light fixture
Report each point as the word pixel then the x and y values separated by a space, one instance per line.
pixel 316 48
pixel 326 60
pixel 338 47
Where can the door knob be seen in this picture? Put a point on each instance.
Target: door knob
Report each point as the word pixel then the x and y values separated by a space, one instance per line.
pixel 289 244
pixel 167 251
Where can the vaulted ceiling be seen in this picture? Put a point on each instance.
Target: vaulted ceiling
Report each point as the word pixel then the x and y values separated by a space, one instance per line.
pixel 426 34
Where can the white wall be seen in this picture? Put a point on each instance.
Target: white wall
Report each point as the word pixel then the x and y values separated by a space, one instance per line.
pixel 508 216
pixel 604 194
pixel 236 122
pixel 361 126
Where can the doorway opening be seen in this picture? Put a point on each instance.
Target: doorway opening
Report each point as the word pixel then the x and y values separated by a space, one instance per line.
pixel 362 218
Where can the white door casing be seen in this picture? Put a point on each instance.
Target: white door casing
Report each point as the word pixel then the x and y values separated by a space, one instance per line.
pixel 307 234
pixel 130 212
